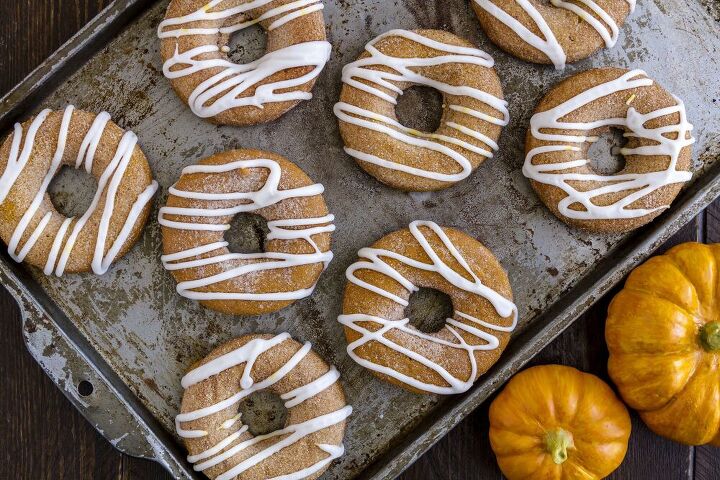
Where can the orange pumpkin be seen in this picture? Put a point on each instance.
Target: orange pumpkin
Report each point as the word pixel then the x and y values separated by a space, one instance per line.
pixel 663 334
pixel 556 422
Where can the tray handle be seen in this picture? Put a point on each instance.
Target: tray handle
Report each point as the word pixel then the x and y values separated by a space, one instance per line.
pixel 83 384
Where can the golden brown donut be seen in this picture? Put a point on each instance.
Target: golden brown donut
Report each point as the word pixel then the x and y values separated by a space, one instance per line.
pixel 381 338
pixel 564 31
pixel 220 445
pixel 199 210
pixel 194 38
pixel 473 109
pixel 30 225
pixel 657 154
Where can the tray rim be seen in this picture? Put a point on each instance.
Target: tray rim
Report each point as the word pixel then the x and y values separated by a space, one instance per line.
pixel 546 326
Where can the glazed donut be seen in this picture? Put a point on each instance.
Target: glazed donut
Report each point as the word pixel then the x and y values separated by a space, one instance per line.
pixel 564 31
pixel 473 109
pixel 657 154
pixel 194 38
pixel 30 158
pixel 219 444
pixel 199 210
pixel 381 338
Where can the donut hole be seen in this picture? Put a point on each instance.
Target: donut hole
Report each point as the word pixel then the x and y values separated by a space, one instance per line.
pixel 244 46
pixel 263 412
pixel 420 108
pixel 247 233
pixel 604 154
pixel 72 191
pixel 428 309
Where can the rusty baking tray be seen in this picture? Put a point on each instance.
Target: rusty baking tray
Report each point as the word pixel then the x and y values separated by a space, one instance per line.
pixel 130 336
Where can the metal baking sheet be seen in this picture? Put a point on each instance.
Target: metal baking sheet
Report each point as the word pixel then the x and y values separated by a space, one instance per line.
pixel 130 335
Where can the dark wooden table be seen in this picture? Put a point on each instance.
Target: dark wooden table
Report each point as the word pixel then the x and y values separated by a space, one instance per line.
pixel 43 436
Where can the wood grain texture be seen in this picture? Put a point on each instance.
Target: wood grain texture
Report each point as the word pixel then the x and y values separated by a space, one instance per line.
pixel 43 436
pixel 30 30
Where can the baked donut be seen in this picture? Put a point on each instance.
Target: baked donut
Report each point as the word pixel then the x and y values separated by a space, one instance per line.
pixel 381 338
pixel 194 38
pixel 199 210
pixel 564 31
pixel 220 445
pixel 30 157
pixel 657 154
pixel 473 109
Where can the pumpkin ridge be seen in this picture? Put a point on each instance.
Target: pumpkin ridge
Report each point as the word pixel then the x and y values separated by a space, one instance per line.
pixel 698 360
pixel 669 257
pixel 701 365
pixel 654 295
pixel 588 444
pixel 585 470
pixel 671 261
pixel 516 449
pixel 581 399
pixel 513 454
pixel 584 446
pixel 675 251
pixel 514 431
pixel 577 461
pixel 616 333
pixel 515 401
pixel 538 467
pixel 666 353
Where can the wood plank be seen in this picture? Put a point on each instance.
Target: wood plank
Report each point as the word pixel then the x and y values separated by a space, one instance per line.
pixel 707 463
pixel 712 222
pixel 463 454
pixel 33 29
pixel 139 468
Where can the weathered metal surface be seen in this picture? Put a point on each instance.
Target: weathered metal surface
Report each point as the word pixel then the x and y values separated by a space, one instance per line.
pixel 132 321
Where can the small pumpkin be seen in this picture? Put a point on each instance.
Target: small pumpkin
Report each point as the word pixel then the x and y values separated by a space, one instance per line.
pixel 663 334
pixel 556 422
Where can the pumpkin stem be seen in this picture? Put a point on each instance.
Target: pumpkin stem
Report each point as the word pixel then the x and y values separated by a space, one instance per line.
pixel 557 443
pixel 710 336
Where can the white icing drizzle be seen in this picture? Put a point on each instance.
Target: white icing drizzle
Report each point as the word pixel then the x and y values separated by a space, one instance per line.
pixel 228 447
pixel 285 229
pixel 547 45
pixel 361 70
pixel 299 395
pixel 638 185
pixel 606 26
pixel 110 178
pixel 221 91
pixel 504 307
